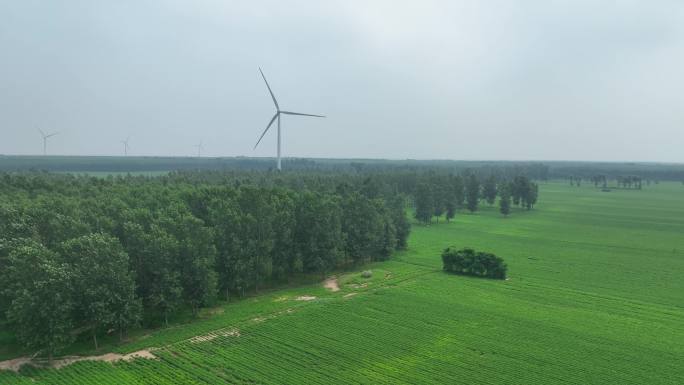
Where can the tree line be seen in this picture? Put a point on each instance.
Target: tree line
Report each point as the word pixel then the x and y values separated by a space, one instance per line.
pixel 443 195
pixel 82 256
pixel 534 170
pixel 622 181
pixel 505 169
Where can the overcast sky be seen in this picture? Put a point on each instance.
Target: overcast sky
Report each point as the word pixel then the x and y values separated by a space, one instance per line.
pixel 516 80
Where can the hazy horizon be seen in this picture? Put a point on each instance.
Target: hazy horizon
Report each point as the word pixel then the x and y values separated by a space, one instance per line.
pixel 464 80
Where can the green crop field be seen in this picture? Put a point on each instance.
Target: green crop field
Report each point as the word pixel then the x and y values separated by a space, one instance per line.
pixel 595 295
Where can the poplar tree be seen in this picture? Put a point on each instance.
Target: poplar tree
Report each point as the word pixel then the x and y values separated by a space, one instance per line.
pixel 472 193
pixel 424 203
pixel 505 201
pixel 489 190
pixel 104 289
pixel 42 304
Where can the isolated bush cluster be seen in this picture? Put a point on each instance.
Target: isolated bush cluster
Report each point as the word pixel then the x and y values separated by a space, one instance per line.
pixel 467 261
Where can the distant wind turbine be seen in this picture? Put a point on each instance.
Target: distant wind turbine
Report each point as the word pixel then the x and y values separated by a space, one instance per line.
pixel 125 143
pixel 277 116
pixel 199 149
pixel 45 138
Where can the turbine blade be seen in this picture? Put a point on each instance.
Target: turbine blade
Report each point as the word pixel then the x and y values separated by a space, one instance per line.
pixel 41 132
pixel 297 113
pixel 269 89
pixel 267 127
pixel 51 135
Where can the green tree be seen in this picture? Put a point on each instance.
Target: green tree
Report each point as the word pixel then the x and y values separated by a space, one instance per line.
pixel 439 197
pixel 11 283
pixel 42 306
pixel 154 256
pixel 489 190
pixel 467 261
pixel 402 227
pixel 388 233
pixel 57 219
pixel 104 289
pixel 454 196
pixel 531 195
pixel 505 201
pixel 167 292
pixel 458 186
pixel 225 218
pixel 472 193
pixel 362 227
pixel 196 258
pixel 318 233
pixel 257 234
pixel 282 257
pixel 15 223
pixel 424 203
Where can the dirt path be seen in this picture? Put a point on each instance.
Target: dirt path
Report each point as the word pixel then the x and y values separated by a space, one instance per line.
pixel 14 364
pixel 332 284
pixel 17 363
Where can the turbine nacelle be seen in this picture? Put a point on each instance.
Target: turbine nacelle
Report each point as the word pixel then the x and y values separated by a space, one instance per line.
pixel 45 136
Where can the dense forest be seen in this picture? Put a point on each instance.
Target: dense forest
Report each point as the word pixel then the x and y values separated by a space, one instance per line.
pixel 84 256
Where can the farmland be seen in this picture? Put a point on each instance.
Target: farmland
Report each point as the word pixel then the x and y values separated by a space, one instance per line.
pixel 595 296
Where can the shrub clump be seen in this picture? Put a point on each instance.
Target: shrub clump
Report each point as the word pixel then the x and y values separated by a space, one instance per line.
pixel 467 261
pixel 367 274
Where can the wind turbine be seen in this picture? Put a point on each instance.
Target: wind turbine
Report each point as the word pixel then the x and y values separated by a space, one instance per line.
pixel 45 138
pixel 277 116
pixel 199 149
pixel 125 143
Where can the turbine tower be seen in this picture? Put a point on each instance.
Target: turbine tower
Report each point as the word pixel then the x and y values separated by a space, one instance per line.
pixel 45 138
pixel 125 143
pixel 200 147
pixel 277 116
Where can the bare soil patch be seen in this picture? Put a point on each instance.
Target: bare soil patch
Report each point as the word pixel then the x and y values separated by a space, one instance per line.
pixel 14 364
pixel 332 284
pixel 305 298
pixel 109 357
pixel 213 336
pixel 17 363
